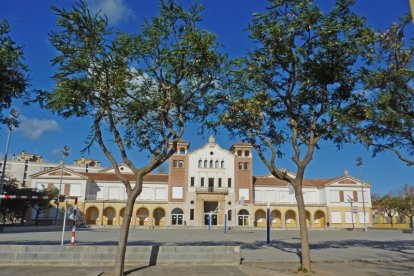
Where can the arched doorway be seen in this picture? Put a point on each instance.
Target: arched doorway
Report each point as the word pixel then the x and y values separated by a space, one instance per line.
pixel 290 218
pixel 159 216
pixel 319 219
pixel 92 214
pixel 260 218
pixel 142 216
pixel 177 216
pixel 243 218
pixel 121 216
pixel 109 216
pixel 308 218
pixel 276 218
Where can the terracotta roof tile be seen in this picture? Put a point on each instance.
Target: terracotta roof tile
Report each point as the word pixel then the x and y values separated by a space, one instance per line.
pixel 159 177
pixel 273 181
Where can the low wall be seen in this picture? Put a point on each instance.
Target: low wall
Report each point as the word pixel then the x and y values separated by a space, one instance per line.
pixel 33 228
pixel 84 255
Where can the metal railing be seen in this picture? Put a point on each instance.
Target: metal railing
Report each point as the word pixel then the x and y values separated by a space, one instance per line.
pixel 212 190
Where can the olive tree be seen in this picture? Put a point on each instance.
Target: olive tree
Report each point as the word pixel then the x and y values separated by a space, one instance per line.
pixel 139 90
pixel 295 85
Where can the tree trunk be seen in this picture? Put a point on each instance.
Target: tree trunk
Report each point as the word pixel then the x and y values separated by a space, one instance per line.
pixel 411 223
pixel 304 238
pixel 392 223
pixel 123 239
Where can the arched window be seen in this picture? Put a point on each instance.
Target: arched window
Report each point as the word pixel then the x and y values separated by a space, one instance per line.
pixel 177 211
pixel 205 163
pixel 239 153
pixel 182 151
pixel 222 164
pixel 217 164
pixel 211 163
pixel 246 153
pixel 200 163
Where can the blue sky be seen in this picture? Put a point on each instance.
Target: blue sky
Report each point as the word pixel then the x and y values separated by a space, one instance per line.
pixel 44 133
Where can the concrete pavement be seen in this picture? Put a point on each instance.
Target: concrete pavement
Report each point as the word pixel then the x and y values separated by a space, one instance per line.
pixel 334 252
pixel 286 269
pixel 326 245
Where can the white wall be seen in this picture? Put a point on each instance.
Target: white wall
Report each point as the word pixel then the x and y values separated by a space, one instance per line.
pixel 77 186
pixel 116 191
pixel 332 194
pixel 219 155
pixel 282 195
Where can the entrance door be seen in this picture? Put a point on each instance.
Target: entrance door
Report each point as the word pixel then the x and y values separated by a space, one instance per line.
pixel 209 207
pixel 208 216
pixel 177 219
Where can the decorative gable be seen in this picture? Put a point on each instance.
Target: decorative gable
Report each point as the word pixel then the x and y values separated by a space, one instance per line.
pixel 347 181
pixel 59 173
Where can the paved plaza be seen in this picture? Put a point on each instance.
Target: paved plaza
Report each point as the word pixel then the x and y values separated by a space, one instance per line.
pixel 334 252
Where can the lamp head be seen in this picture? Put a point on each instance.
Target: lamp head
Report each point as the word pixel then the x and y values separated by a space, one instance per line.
pixel 65 151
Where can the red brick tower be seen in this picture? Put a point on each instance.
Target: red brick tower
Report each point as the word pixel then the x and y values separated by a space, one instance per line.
pixel 178 172
pixel 243 171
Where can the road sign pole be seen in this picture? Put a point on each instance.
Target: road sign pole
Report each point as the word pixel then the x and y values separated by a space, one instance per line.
pixel 64 222
pixel 72 241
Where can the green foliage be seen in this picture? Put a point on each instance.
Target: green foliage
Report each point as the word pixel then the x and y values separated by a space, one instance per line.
pixel 300 80
pixel 406 206
pixel 389 205
pixel 389 117
pixel 14 209
pixel 145 86
pixel 297 85
pixel 139 90
pixel 41 205
pixel 13 79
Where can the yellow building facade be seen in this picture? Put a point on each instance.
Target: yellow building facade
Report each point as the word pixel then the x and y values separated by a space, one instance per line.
pixel 208 185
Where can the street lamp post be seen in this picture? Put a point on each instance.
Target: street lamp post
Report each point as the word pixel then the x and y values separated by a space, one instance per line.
pixel 350 201
pixel 11 121
pixel 359 164
pixel 65 153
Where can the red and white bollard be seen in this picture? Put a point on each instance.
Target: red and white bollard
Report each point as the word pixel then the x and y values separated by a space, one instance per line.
pixel 72 240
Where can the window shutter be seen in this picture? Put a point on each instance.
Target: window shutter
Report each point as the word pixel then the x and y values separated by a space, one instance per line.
pixel 341 196
pixel 355 196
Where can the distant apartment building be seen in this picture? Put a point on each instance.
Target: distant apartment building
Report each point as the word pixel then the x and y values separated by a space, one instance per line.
pixel 203 185
pixel 22 165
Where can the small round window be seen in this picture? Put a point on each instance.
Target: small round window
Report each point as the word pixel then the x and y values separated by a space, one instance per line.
pixel 211 153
